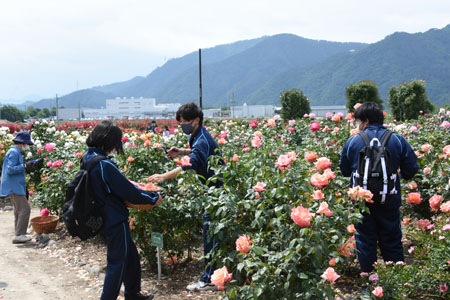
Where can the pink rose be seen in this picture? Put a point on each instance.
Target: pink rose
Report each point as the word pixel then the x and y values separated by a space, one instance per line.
pixel 378 291
pixel 57 164
pixel 328 115
pixel 291 122
pixel 271 123
pixel 259 187
pixel 330 275
pixel 235 158
pixel 332 262
pixel 301 216
pixel 186 161
pixel 49 164
pixel 445 207
pixel 426 147
pixel 45 212
pixel 319 180
pixel 423 223
pixel 243 243
pixel 323 209
pixel 256 142
pixel 258 134
pixel 435 202
pixel 330 174
pixel 351 228
pixel 220 276
pixel 283 162
pixel 443 288
pixel 315 126
pixel 221 141
pixel 318 195
pixel 49 147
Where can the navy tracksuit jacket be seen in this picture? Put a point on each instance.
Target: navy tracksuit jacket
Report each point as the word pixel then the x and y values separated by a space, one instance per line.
pixel 123 262
pixel 382 224
pixel 202 146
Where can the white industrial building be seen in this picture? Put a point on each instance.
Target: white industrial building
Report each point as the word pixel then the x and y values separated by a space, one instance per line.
pixel 133 108
pixel 321 111
pixel 247 111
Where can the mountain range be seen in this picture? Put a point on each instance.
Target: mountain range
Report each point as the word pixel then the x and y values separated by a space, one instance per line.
pixel 256 71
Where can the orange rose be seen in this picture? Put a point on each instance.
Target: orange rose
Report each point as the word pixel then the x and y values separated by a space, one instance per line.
pixel 413 198
pixel 319 180
pixel 322 163
pixel 243 243
pixel 310 156
pixel 301 216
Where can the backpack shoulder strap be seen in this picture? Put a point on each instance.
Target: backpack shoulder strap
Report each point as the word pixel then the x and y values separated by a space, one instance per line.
pixel 384 139
pixel 365 138
pixel 88 166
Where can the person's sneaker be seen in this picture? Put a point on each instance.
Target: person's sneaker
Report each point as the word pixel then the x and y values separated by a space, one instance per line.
pixel 20 239
pixel 201 286
pixel 139 296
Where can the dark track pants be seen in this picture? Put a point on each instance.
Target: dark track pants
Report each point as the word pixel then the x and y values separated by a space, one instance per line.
pixel 382 227
pixel 123 263
pixel 209 245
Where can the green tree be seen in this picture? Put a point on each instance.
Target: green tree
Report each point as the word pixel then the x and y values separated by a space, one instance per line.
pixel 32 112
pixel 294 104
pixel 45 113
pixel 408 99
pixel 360 92
pixel 12 113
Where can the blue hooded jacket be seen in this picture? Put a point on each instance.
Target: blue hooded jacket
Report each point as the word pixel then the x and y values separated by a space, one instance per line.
pixel 402 156
pixel 202 146
pixel 106 180
pixel 13 174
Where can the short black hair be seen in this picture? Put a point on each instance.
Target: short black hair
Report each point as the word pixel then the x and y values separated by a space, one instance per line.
pixel 190 111
pixel 369 111
pixel 106 136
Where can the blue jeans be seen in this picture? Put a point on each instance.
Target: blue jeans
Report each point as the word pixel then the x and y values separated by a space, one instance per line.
pixel 208 246
pixel 382 227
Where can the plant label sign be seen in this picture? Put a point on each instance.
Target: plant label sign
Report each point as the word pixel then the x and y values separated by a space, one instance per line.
pixel 157 240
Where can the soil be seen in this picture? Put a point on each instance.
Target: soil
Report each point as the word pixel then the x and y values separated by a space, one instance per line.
pixel 67 268
pixel 70 269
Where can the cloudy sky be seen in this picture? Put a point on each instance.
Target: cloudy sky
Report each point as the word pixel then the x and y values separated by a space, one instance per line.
pixel 54 46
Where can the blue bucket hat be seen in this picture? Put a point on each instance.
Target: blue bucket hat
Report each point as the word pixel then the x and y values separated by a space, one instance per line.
pixel 23 137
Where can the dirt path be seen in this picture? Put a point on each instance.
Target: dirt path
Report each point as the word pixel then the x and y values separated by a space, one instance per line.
pixel 31 272
pixel 28 273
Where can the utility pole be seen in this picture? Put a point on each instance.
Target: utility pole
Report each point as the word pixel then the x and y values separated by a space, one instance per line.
pixel 79 112
pixel 57 113
pixel 200 74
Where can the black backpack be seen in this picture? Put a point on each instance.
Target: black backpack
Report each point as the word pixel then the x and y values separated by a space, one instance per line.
pixel 374 172
pixel 80 213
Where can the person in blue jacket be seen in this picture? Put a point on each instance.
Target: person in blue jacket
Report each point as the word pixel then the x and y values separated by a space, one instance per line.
pixel 13 185
pixel 202 146
pixel 111 189
pixel 382 224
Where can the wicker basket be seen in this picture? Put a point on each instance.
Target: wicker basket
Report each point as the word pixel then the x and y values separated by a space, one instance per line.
pixel 139 206
pixel 44 224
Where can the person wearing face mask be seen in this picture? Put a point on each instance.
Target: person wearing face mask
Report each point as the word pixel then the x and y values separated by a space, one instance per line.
pixel 13 185
pixel 202 145
pixel 381 226
pixel 111 189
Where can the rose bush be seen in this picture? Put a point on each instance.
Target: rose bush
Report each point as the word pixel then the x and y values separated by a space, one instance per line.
pixel 284 214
